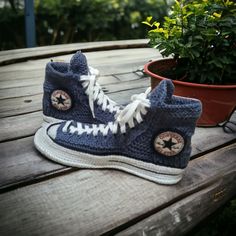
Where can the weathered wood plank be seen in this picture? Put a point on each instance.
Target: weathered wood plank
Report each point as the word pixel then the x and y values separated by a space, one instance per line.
pixel 26 78
pixel 131 76
pixel 128 86
pixel 12 128
pixel 209 138
pixel 182 216
pixel 92 202
pixel 27 82
pixel 20 105
pixel 21 88
pixel 204 138
pixel 33 102
pixel 10 56
pixel 21 162
pixel 95 59
pixel 81 202
pixel 105 80
pixel 9 77
pixel 16 127
pixel 112 84
pixel 21 82
pixel 17 92
pixel 103 58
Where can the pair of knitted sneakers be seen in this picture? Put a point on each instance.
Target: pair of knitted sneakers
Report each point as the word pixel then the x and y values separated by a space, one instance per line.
pixel 150 137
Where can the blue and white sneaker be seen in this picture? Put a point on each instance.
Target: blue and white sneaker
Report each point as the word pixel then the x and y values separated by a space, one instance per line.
pixel 150 138
pixel 71 92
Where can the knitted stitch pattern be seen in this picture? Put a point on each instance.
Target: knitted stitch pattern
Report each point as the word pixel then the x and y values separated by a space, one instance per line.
pixel 169 118
pixel 66 77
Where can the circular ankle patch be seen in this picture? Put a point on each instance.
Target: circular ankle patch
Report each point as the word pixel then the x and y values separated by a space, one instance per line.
pixel 61 100
pixel 169 143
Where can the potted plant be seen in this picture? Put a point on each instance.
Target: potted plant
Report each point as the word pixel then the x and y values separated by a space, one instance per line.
pixel 200 36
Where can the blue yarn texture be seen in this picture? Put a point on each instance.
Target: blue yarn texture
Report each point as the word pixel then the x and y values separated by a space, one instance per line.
pixel 66 77
pixel 166 113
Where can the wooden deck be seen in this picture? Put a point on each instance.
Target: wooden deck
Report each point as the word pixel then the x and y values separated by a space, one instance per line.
pixel 39 197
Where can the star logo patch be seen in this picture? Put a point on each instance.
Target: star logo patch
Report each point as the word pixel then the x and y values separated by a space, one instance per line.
pixel 61 100
pixel 169 143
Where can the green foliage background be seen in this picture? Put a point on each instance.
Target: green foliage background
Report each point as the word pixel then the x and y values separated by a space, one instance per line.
pixel 201 33
pixel 59 21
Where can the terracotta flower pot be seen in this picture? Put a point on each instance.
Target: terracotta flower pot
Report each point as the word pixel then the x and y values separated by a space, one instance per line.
pixel 218 101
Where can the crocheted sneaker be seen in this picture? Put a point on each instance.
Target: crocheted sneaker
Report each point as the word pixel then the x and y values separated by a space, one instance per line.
pixel 150 138
pixel 72 93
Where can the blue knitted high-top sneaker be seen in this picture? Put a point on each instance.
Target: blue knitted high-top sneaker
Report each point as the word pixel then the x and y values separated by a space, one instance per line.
pixel 72 93
pixel 150 138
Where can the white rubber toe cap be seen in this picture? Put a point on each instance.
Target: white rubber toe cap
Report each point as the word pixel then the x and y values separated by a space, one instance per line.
pixel 52 131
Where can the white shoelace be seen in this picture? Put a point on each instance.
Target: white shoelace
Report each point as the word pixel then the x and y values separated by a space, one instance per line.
pixel 127 116
pixel 95 93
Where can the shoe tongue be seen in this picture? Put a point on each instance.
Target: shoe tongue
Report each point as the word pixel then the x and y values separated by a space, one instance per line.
pixel 163 92
pixel 78 64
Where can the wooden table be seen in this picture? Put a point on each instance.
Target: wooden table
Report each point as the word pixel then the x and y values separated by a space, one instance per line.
pixel 39 197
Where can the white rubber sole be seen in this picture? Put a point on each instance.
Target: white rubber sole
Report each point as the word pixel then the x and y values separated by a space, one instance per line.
pixel 68 157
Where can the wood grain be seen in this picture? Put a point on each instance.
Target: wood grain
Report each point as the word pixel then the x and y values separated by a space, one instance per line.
pixel 11 128
pixel 28 89
pixel 92 202
pixel 40 197
pixel 115 86
pixel 32 103
pixel 21 162
pixel 204 138
pixel 103 60
pixel 11 56
pixel 20 105
pixel 16 127
pixel 182 216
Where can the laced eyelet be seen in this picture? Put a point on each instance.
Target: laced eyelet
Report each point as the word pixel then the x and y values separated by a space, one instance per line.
pixel 126 119
pixel 95 93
